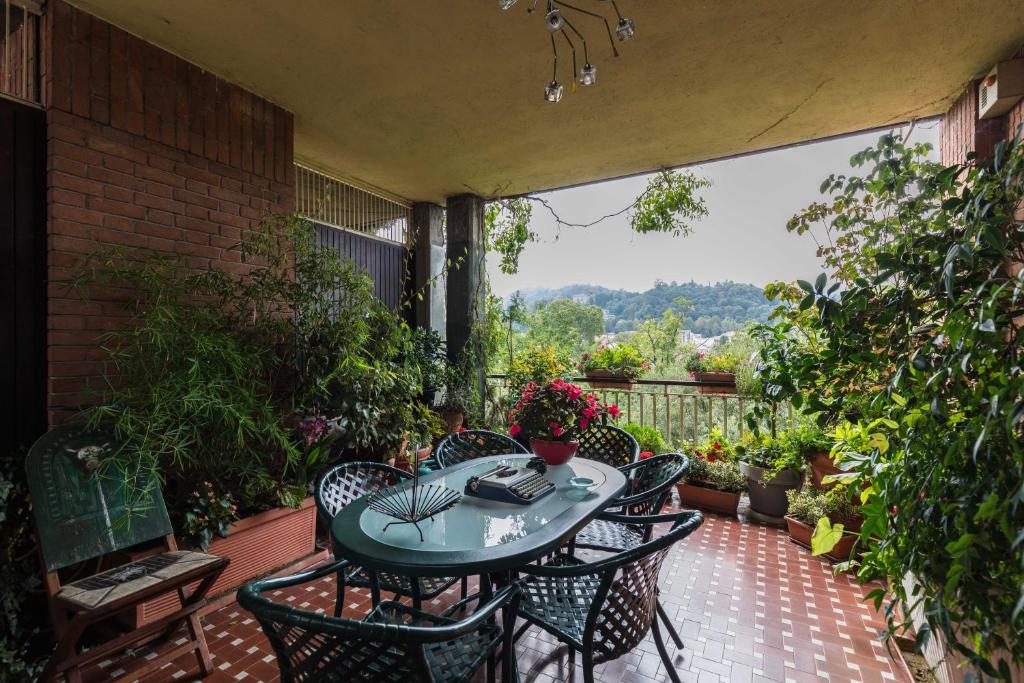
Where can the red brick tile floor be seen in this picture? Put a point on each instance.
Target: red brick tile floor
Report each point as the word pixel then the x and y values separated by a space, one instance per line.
pixel 750 605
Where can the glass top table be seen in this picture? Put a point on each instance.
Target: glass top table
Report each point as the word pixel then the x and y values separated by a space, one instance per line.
pixel 477 535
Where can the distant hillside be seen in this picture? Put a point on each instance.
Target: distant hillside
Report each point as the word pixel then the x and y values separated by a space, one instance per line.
pixel 715 308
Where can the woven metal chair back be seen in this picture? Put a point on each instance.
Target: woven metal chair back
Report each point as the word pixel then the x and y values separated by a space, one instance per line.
pixel 626 602
pixel 395 644
pixel 342 484
pixel 608 444
pixel 83 509
pixel 651 481
pixel 472 444
pixel 314 647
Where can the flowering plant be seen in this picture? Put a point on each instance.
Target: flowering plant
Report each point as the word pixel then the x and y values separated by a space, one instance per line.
pixel 557 411
pixel 713 466
pixel 618 359
pixel 208 512
pixel 726 361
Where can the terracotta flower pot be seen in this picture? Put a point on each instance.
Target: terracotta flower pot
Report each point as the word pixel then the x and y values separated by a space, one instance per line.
pixel 801 533
pixel 554 452
pixel 821 467
pixel 728 377
pixel 705 498
pixel 768 502
pixel 606 379
pixel 452 419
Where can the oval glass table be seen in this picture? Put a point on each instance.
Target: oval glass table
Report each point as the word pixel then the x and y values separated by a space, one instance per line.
pixel 477 536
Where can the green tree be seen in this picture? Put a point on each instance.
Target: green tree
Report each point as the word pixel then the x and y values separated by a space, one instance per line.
pixel 566 325
pixel 658 339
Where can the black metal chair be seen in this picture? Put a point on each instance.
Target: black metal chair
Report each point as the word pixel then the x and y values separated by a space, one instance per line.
pixel 649 488
pixel 472 444
pixel 608 444
pixel 394 643
pixel 603 609
pixel 340 485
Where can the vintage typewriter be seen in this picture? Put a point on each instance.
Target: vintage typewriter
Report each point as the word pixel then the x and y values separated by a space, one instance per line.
pixel 518 485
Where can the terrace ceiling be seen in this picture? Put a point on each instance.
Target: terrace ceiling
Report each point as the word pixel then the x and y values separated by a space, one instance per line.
pixel 430 99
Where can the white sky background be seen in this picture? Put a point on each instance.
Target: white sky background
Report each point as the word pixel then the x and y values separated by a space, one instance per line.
pixel 743 238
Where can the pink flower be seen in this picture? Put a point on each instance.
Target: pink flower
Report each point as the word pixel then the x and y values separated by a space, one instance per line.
pixel 574 392
pixel 556 429
pixel 590 412
pixel 614 411
pixel 646 454
pixel 584 423
pixel 514 430
pixel 559 384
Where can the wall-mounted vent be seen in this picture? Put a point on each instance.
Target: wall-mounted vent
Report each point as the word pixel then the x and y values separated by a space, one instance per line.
pixel 1000 89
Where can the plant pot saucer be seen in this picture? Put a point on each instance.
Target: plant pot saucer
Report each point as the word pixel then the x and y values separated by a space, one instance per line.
pixel 767 520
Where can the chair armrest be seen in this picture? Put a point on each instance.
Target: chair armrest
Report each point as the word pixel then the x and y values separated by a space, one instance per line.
pixel 423 634
pixel 626 501
pixel 296 579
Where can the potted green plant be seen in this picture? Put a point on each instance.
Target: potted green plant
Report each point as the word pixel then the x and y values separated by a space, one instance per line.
pixel 808 507
pixel 553 415
pixel 713 481
pixel 718 370
pixel 772 469
pixel 429 352
pixel 648 438
pixel 613 366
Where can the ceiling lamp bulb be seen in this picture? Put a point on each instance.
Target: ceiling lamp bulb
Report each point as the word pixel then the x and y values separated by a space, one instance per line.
pixel 555 20
pixel 553 91
pixel 625 29
pixel 588 74
pixel 506 4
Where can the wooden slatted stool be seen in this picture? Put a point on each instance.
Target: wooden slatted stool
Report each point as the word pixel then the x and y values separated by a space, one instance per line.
pixel 83 512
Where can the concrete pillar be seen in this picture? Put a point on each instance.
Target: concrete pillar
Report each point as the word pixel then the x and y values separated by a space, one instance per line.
pixel 466 283
pixel 428 266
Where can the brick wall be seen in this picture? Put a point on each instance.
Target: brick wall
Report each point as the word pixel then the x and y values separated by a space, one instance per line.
pixel 962 132
pixel 143 150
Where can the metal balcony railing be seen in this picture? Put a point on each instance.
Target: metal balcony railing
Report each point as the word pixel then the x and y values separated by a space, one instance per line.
pixel 19 50
pixel 676 408
pixel 341 205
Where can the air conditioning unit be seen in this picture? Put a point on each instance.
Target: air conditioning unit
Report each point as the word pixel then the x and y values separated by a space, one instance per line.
pixel 1002 88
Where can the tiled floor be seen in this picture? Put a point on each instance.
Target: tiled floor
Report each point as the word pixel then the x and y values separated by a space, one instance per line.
pixel 750 606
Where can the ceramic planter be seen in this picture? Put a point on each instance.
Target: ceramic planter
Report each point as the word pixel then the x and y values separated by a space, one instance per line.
pixel 728 378
pixel 255 546
pixel 768 502
pixel 554 452
pixel 712 500
pixel 801 533
pixel 606 379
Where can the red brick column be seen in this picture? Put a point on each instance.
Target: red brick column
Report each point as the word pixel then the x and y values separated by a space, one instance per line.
pixel 143 150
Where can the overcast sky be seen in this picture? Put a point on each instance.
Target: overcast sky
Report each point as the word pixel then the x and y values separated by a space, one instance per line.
pixel 743 238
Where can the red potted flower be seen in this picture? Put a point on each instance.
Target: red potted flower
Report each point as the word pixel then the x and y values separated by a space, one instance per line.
pixel 553 415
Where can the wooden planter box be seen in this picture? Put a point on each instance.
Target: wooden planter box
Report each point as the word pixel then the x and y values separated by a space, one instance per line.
pixel 801 533
pixel 256 546
pixel 729 377
pixel 605 379
pixel 712 500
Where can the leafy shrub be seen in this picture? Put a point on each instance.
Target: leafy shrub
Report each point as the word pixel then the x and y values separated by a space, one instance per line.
pixel 771 455
pixel 649 438
pixel 912 351
pixel 213 374
pixel 619 359
pixel 721 475
pixel 537 364
pixel 809 505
